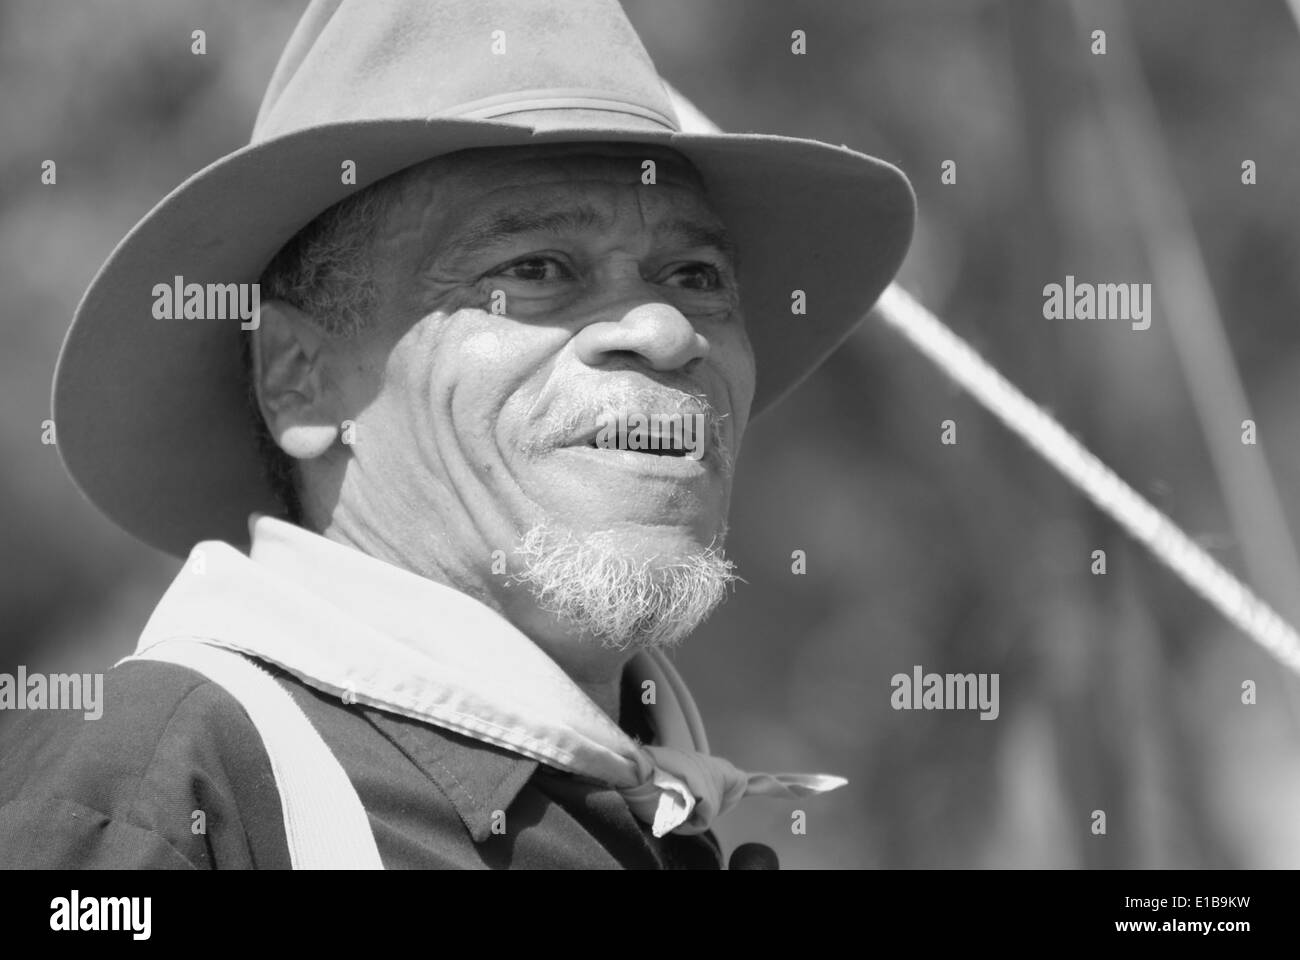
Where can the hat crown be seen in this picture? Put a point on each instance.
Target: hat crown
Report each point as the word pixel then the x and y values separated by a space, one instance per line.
pixel 508 60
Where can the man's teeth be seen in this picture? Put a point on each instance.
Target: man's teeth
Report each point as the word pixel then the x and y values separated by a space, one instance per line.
pixel 652 446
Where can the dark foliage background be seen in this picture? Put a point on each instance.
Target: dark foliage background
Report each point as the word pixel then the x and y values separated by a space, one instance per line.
pixel 1119 692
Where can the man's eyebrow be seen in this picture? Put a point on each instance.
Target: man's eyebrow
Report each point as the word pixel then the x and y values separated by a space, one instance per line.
pixel 697 234
pixel 507 224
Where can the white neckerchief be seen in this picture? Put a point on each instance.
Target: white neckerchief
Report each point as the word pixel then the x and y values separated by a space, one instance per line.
pixel 373 633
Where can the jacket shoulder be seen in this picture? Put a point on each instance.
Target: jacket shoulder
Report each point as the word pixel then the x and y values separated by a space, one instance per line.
pixel 170 773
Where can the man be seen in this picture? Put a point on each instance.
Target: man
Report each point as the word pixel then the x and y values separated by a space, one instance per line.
pixel 452 491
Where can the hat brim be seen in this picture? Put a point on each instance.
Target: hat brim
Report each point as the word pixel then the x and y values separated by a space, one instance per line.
pixel 151 414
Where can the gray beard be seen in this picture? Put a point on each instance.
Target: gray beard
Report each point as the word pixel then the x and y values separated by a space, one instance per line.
pixel 598 589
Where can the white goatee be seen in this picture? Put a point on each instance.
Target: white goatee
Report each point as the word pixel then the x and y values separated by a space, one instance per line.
pixel 621 599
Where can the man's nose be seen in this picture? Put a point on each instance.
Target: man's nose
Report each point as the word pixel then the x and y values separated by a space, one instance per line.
pixel 658 333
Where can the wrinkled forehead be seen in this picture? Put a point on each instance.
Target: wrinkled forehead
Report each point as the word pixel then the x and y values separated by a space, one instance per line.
pixel 465 194
pixel 460 185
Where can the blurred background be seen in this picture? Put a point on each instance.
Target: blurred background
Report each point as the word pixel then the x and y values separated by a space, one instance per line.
pixel 1121 692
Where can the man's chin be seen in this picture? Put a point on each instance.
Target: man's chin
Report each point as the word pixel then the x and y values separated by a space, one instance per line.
pixel 624 590
pixel 654 499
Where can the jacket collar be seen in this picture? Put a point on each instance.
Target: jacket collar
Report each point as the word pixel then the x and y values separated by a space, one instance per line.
pixel 477 778
pixel 355 627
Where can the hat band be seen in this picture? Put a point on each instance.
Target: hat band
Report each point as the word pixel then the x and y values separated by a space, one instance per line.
pixel 503 105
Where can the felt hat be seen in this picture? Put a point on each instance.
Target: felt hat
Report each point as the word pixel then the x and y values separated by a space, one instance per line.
pixel 152 418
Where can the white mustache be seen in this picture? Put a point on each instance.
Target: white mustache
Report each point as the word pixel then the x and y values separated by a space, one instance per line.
pixel 583 421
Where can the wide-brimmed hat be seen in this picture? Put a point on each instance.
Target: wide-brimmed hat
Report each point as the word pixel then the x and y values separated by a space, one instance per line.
pixel 151 413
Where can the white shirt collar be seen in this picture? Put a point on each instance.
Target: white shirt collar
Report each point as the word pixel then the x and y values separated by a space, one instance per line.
pixel 370 632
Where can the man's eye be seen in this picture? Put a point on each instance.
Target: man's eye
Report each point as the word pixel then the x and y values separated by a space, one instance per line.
pixel 696 276
pixel 536 270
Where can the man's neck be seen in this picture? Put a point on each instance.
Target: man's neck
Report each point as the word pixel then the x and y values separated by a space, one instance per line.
pixel 606 696
pixel 596 670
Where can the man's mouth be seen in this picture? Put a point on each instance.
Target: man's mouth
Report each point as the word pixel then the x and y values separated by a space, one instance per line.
pixel 656 446
pixel 678 435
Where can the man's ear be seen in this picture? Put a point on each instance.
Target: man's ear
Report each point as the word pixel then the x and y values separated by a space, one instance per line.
pixel 291 382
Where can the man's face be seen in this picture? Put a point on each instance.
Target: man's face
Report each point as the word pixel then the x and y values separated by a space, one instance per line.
pixel 527 296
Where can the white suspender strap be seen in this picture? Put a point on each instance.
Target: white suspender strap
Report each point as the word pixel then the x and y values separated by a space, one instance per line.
pixel 324 822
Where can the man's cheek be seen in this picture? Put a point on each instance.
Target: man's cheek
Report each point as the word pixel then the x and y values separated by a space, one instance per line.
pixel 736 364
pixel 499 298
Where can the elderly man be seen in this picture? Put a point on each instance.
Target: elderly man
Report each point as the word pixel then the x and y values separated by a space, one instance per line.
pixel 452 491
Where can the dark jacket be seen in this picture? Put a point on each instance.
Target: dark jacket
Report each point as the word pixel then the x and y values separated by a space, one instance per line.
pixel 174 775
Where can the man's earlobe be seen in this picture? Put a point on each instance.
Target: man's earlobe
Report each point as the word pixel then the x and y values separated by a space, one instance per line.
pixel 306 441
pixel 292 390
